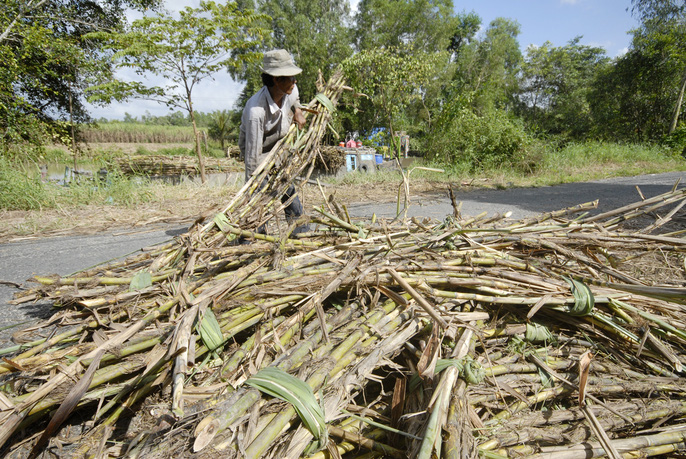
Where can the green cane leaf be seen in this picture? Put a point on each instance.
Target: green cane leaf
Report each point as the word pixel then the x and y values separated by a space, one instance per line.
pixel 281 385
pixel 140 281
pixel 583 298
pixel 209 330
pixel 222 221
pixel 325 101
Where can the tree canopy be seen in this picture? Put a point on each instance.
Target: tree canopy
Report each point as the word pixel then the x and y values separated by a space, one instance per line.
pixel 48 61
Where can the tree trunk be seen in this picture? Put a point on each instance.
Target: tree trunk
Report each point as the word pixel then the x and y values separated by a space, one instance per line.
pixel 198 149
pixel 677 107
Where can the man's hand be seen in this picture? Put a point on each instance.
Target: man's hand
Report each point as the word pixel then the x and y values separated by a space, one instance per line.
pixel 299 118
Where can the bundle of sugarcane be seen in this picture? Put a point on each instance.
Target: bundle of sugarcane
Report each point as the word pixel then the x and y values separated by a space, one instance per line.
pixel 365 339
pixel 330 159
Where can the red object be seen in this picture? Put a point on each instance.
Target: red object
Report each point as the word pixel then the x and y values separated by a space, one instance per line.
pixel 359 144
pixel 341 144
pixel 351 144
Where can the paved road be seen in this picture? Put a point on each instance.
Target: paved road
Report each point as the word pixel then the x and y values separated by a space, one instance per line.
pixel 66 255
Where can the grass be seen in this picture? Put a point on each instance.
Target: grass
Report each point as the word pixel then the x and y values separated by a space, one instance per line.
pixel 24 190
pixel 544 166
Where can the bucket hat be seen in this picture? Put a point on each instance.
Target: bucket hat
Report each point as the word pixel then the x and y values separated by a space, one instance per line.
pixel 278 62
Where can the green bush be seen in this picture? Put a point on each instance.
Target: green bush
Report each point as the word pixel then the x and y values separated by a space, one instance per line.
pixel 481 142
pixel 676 141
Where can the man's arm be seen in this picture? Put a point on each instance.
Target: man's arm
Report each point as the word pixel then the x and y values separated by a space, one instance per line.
pixel 298 115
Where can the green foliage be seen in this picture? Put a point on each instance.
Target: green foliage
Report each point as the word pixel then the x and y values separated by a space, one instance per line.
pixel 479 142
pixel 677 140
pixel 594 160
pixel 640 98
pixel 127 132
pixel 555 86
pixel 315 33
pixel 21 191
pixel 116 190
pixel 221 128
pixel 46 63
pixel 487 67
pixel 394 80
pixel 423 26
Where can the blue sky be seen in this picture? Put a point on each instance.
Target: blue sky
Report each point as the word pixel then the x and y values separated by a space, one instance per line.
pixel 603 23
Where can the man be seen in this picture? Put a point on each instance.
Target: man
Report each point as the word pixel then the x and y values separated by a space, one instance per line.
pixel 266 119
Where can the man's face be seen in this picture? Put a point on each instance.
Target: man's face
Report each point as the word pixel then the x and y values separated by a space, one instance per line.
pixel 285 83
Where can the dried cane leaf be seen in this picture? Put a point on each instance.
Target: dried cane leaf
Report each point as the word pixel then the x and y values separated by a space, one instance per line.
pixel 68 404
pixel 584 368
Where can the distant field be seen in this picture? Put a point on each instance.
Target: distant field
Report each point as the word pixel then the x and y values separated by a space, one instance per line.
pixel 126 133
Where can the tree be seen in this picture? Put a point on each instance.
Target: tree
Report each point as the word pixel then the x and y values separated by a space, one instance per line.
pixel 392 79
pixel 641 96
pixel 184 51
pixel 468 25
pixel 667 18
pixel 419 25
pixel 220 126
pixel 555 83
pixel 316 33
pixel 47 61
pixel 487 67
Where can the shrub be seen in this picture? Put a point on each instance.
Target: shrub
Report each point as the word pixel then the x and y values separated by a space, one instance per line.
pixel 676 141
pixel 482 142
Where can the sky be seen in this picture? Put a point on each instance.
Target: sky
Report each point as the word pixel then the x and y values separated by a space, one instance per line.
pixel 602 23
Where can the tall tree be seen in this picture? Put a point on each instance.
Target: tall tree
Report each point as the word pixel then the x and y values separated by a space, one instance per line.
pixel 555 85
pixel 47 61
pixel 465 30
pixel 182 50
pixel 667 18
pixel 316 33
pixel 220 127
pixel 420 25
pixel 392 80
pixel 487 67
pixel 641 97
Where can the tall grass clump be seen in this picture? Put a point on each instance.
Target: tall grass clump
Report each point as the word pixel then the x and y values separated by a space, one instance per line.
pixel 20 190
pixel 116 189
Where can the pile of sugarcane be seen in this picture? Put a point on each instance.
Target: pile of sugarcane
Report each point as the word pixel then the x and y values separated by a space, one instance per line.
pixel 168 166
pixel 561 334
pixel 330 159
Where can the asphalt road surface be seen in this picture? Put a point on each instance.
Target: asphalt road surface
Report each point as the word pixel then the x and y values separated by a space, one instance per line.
pixel 66 255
